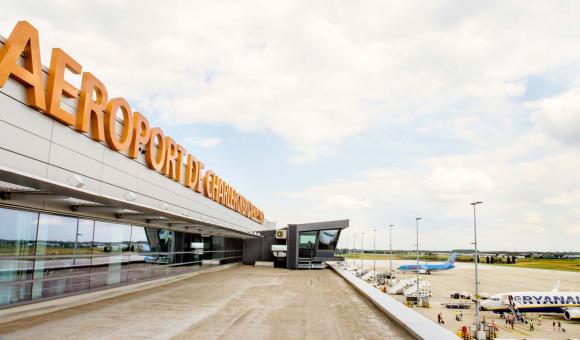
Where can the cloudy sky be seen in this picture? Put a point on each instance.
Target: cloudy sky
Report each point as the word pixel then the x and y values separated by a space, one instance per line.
pixel 373 111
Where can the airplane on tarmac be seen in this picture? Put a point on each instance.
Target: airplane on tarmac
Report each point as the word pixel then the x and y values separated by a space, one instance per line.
pixel 428 268
pixel 552 302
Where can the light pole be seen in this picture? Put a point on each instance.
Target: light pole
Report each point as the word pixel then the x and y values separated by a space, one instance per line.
pixel 391 249
pixel 477 327
pixel 354 248
pixel 362 250
pixel 374 252
pixel 417 219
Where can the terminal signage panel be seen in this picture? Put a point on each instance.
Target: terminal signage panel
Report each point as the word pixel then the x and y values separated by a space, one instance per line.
pixel 96 113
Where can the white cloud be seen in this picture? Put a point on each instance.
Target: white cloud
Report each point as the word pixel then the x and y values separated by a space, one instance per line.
pixel 458 181
pixel 573 230
pixel 437 88
pixel 313 74
pixel 345 202
pixel 559 115
pixel 208 142
pixel 565 198
pixel 519 196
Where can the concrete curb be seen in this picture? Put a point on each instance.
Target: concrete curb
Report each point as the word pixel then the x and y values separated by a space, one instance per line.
pixel 16 313
pixel 416 324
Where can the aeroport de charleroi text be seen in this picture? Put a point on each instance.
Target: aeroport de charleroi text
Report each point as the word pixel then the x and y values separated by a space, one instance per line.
pixel 98 115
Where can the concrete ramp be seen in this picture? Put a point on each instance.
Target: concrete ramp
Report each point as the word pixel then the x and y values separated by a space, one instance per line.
pixel 416 324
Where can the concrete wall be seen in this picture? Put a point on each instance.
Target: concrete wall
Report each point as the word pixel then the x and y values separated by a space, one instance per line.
pixel 260 249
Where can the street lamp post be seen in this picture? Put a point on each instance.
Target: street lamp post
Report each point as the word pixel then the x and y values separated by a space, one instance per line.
pixel 362 250
pixel 417 219
pixel 354 248
pixel 374 252
pixel 391 249
pixel 477 323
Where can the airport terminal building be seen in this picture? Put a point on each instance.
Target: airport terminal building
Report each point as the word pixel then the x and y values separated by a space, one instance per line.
pixel 92 196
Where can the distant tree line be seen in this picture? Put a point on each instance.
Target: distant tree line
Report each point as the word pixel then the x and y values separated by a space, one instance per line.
pixel 493 259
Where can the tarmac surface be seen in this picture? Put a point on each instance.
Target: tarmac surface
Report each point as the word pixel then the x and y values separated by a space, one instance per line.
pixel 493 280
pixel 243 302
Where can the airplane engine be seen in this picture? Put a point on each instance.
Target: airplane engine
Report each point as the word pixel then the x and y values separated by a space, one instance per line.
pixel 572 314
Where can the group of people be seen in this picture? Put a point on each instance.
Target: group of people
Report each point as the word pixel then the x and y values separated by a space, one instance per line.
pixel 510 321
pixel 557 323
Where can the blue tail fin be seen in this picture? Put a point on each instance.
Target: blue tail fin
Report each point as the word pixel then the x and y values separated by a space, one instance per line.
pixel 451 258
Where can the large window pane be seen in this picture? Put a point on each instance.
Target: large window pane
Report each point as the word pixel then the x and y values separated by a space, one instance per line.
pixel 17 232
pixel 327 239
pixel 56 235
pixel 17 237
pixel 113 241
pixel 143 241
pixel 60 236
pixel 307 243
pixel 85 237
pixel 140 240
pixel 14 292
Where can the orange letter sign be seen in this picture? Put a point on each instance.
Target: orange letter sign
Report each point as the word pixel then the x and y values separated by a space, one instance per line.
pixel 89 111
pixel 57 86
pixel 24 38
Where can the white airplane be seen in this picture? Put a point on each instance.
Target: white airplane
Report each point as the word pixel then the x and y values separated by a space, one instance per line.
pixel 552 302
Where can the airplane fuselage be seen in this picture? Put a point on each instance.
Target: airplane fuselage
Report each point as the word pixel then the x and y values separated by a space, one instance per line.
pixel 426 267
pixel 533 302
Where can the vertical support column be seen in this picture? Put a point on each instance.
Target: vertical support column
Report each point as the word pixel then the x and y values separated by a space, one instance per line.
pixel 293 243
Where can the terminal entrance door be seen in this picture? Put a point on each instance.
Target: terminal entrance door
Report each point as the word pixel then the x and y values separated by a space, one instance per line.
pixel 307 248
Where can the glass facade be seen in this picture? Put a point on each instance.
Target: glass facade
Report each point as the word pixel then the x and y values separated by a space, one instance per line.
pixel 318 242
pixel 307 244
pixel 44 255
pixel 328 239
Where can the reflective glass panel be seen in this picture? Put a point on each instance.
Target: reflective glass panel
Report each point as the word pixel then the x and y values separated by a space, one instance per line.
pixel 113 242
pixel 59 254
pixel 17 232
pixel 307 243
pixel 17 238
pixel 327 239
pixel 143 241
pixel 307 239
pixel 14 292
pixel 56 235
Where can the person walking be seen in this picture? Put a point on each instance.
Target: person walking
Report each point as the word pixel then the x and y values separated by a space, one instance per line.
pixel 439 318
pixel 460 316
pixel 531 323
pixel 554 325
pixel 559 326
pixel 540 320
